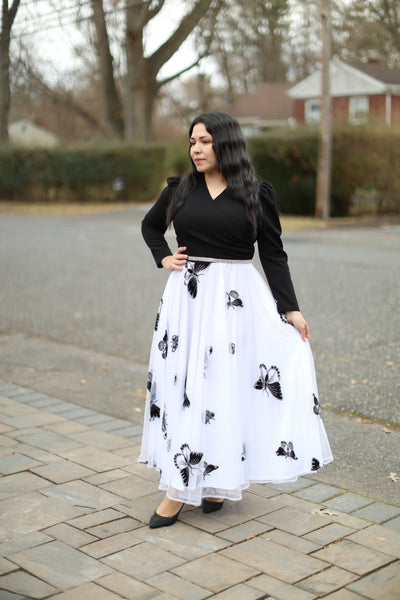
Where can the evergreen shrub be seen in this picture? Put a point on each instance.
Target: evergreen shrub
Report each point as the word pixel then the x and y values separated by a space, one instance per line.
pixel 123 173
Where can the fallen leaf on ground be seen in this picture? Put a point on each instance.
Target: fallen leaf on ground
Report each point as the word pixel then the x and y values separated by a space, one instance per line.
pixel 393 477
pixel 381 539
pixel 141 393
pixel 385 430
pixel 389 363
pixel 324 511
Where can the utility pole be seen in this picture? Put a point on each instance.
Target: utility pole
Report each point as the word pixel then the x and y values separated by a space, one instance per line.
pixel 322 207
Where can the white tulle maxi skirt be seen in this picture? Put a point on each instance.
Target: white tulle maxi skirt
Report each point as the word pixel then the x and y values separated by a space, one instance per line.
pixel 231 393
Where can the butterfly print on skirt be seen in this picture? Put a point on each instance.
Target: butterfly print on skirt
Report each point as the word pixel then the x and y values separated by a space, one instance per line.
pixel 315 464
pixel 233 300
pixel 174 342
pixel 208 469
pixel 243 455
pixel 286 450
pixel 208 416
pixel 164 425
pixel 317 406
pixel 149 380
pixel 192 275
pixel 154 408
pixel 163 345
pixel 186 461
pixel 158 315
pixel 269 381
pixel 207 353
pixel 186 401
pixel 232 348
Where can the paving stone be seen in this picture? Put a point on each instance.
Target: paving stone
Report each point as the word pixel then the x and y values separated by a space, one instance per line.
pixel 60 565
pixel 344 594
pixel 48 440
pixel 21 434
pixel 294 486
pixel 381 585
pixel 170 583
pixel 95 458
pixel 100 439
pixel 25 584
pixel 13 408
pixel 236 513
pixel 348 502
pixel 279 589
pixel 202 521
pixel 353 557
pixel 6 566
pixel 31 420
pixel 112 544
pixel 278 561
pixel 143 508
pixel 65 427
pixel 113 424
pixel 184 541
pixel 380 538
pixel 20 483
pixel 101 478
pixel 62 471
pixel 393 523
pixel 130 487
pixel 129 432
pixel 94 419
pixel 77 412
pixel 142 561
pixel 239 592
pixel 215 572
pixel 265 490
pixel 96 518
pixel 378 512
pixel 31 512
pixel 88 591
pixel 7 442
pixel 80 493
pixel 129 588
pixel 69 535
pixel 239 533
pixel 327 581
pixel 44 402
pixel 22 542
pixel 114 527
pixel 318 492
pixel 14 463
pixel 4 428
pixel 328 534
pixel 295 520
pixel 291 541
pixel 10 596
pixel 40 455
pixel 61 407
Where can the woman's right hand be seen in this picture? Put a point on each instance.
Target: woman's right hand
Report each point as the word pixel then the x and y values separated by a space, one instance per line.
pixel 177 261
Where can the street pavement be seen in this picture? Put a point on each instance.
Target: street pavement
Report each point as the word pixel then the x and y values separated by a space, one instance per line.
pixel 78 298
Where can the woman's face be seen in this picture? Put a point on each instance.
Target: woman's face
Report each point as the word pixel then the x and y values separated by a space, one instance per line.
pixel 202 151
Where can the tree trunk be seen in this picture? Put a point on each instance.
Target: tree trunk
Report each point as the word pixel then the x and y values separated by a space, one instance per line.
pixel 8 16
pixel 111 99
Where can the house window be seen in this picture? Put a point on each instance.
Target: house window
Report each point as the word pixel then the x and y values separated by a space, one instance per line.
pixel 313 111
pixel 358 110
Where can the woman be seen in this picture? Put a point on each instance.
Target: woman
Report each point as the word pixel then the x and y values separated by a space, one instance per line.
pixel 232 397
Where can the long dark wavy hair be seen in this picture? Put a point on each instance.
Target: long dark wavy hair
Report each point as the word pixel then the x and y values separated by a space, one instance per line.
pixel 234 164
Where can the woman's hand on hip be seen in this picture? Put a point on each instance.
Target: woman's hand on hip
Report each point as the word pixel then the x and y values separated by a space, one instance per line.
pixel 296 319
pixel 176 261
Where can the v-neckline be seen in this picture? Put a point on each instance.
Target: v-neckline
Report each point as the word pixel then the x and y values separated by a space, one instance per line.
pixel 209 193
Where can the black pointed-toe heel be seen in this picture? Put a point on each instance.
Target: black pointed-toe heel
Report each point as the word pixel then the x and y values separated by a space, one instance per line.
pixel 209 506
pixel 157 520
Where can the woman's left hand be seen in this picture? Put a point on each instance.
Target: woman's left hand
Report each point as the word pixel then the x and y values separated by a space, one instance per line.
pixel 296 319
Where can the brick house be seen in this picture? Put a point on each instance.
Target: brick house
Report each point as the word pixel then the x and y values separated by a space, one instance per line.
pixel 361 93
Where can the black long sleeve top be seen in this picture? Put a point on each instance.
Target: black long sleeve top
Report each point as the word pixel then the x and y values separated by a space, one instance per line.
pixel 219 228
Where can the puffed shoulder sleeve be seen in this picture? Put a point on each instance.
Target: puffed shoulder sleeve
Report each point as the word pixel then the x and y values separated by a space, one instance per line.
pixel 272 255
pixel 154 223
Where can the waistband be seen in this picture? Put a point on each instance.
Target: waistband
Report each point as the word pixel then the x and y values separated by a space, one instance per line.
pixel 219 260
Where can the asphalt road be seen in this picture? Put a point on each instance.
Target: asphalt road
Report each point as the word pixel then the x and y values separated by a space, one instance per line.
pixel 79 295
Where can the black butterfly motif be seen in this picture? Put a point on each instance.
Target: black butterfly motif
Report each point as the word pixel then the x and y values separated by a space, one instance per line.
pixel 284 318
pixel 174 342
pixel 286 450
pixel 186 401
pixel 185 461
pixel 208 469
pixel 207 353
pixel 317 406
pixel 234 299
pixel 154 408
pixel 243 456
pixel 269 381
pixel 149 380
pixel 193 272
pixel 164 425
pixel 232 348
pixel 158 315
pixel 175 379
pixel 163 345
pixel 315 464
pixel 208 416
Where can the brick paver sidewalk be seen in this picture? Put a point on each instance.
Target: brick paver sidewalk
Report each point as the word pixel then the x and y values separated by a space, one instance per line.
pixel 74 507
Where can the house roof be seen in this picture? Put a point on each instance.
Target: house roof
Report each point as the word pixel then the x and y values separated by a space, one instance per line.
pixel 349 80
pixel 269 103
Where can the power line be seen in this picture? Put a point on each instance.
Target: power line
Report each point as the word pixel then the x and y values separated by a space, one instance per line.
pixel 78 20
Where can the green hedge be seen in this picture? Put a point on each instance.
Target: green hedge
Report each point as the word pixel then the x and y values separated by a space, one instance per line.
pixel 364 166
pixel 125 173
